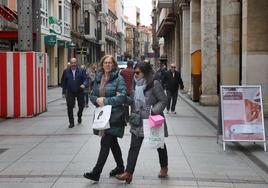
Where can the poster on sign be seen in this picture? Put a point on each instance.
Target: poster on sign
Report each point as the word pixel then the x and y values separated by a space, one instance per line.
pixel 242 114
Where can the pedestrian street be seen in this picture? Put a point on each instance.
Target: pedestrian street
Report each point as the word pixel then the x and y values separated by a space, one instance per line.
pixel 43 152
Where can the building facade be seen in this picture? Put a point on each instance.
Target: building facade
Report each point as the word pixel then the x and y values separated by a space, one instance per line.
pixel 129 40
pixel 215 43
pixel 133 18
pixel 111 33
pixel 56 36
pixel 120 29
pixel 91 30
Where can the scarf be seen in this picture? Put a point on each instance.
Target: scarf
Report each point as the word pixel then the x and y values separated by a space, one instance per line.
pixel 139 97
pixel 102 86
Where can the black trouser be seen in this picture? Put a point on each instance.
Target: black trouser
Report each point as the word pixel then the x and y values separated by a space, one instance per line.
pixel 86 98
pixel 71 102
pixel 108 142
pixel 172 95
pixel 134 150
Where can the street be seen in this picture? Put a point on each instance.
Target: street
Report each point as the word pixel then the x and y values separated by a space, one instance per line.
pixel 43 152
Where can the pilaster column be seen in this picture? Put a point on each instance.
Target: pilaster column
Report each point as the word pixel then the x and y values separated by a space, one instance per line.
pixel 25 25
pixel 230 42
pixel 254 46
pixel 177 43
pixel 209 52
pixel 195 49
pixel 186 61
pixel 195 28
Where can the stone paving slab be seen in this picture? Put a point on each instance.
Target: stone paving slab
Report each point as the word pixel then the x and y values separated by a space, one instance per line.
pixel 44 152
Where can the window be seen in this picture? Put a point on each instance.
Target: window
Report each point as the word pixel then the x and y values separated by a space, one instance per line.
pixel 60 10
pixel 67 18
pixel 99 36
pixel 44 13
pixel 67 12
pixel 87 22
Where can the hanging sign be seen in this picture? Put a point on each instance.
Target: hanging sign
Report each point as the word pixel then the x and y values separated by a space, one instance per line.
pixel 54 25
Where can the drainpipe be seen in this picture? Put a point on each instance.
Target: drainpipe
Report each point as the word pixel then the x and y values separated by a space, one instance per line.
pixel 173 8
pixel 240 42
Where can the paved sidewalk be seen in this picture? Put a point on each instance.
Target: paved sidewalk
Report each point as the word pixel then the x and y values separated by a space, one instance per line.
pixel 210 113
pixel 54 94
pixel 43 152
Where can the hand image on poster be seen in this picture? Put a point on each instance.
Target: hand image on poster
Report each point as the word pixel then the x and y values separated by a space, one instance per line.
pixel 253 110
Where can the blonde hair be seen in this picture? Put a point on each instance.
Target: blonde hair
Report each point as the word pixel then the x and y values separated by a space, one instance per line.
pixel 108 57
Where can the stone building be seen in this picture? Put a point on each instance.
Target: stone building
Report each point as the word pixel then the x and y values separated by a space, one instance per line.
pixel 133 14
pixel 228 38
pixel 56 36
pixel 129 39
pixel 111 35
pixel 91 31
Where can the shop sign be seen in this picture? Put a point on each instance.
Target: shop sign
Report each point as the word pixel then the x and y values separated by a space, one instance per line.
pixel 54 25
pixel 61 43
pixel 5 45
pixel 50 40
pixel 71 44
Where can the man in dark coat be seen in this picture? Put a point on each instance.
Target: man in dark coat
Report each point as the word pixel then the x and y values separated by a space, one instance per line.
pixel 159 74
pixel 172 82
pixel 74 82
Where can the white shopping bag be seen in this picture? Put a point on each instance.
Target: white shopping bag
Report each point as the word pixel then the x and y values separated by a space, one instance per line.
pixel 153 137
pixel 102 117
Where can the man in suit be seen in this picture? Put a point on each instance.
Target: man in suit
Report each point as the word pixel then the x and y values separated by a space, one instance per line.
pixel 74 82
pixel 172 82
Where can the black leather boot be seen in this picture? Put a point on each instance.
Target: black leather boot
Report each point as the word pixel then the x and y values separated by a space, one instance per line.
pixel 92 176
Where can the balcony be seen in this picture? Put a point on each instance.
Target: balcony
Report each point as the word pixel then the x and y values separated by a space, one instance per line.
pixel 164 23
pixel 164 3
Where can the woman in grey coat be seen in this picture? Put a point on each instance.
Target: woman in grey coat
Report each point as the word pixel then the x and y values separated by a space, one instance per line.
pixel 147 93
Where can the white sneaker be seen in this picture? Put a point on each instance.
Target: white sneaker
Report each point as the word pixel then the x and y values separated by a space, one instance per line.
pixel 173 112
pixel 167 112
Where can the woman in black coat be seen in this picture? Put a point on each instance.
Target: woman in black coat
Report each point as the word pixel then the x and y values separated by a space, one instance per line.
pixel 147 93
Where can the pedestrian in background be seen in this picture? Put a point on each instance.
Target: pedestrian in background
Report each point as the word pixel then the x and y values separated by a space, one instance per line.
pixel 92 74
pixel 74 83
pixel 173 82
pixel 160 74
pixel 63 77
pixel 128 74
pixel 147 93
pixel 109 89
pixel 87 88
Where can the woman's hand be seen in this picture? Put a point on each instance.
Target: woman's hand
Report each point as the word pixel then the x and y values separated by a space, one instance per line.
pixel 100 101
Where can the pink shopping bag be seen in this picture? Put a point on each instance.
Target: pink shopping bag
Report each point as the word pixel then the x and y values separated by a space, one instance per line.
pixel 155 121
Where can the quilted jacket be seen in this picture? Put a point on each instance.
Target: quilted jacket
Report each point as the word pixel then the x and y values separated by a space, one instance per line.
pixel 115 84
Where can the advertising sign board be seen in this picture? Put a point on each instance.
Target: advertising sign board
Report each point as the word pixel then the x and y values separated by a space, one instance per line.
pixel 242 114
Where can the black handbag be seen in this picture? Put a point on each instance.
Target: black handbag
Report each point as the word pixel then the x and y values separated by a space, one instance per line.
pixel 135 120
pixel 117 118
